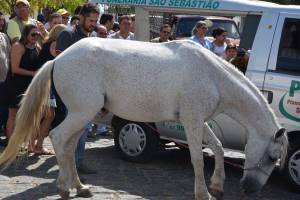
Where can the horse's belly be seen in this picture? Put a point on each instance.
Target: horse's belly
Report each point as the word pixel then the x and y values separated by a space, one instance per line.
pixel 142 109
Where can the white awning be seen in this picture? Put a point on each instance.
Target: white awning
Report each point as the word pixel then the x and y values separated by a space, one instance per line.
pixel 229 7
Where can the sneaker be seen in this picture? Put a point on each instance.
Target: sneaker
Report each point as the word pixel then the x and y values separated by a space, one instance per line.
pixel 102 130
pixel 83 169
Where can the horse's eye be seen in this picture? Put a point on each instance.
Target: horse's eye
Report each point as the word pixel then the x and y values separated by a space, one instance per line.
pixel 273 158
pixel 274 152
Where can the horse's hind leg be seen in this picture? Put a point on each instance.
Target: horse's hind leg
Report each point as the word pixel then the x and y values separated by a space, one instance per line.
pixel 64 139
pixel 218 177
pixel 194 132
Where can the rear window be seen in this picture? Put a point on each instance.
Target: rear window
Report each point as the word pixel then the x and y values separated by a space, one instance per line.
pixel 229 26
pixel 185 26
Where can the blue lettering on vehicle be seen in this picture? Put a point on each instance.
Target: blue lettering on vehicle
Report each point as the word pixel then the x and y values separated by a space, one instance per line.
pixel 202 4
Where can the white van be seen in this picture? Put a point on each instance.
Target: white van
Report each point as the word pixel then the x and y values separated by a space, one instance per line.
pixel 271 33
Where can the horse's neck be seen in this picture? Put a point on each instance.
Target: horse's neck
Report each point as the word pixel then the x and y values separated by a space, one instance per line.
pixel 245 104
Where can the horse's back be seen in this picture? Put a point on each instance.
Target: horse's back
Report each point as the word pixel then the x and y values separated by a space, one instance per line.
pixel 135 77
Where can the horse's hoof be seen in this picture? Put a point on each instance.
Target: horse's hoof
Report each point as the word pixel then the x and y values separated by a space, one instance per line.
pixel 218 194
pixel 84 193
pixel 65 195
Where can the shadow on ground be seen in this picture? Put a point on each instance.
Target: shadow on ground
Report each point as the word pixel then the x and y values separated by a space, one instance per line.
pixel 168 176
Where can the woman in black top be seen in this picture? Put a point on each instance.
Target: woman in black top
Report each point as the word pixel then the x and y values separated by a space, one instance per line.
pixel 24 65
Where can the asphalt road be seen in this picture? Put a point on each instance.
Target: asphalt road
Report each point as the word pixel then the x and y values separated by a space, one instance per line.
pixel 168 176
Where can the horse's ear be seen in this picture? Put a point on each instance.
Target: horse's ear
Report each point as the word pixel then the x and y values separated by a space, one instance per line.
pixel 279 133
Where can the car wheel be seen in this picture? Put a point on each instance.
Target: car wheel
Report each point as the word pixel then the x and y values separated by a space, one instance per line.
pixel 292 168
pixel 135 141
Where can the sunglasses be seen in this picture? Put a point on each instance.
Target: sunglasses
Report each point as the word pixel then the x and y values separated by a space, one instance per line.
pixel 35 34
pixel 65 17
pixel 23 7
pixel 167 32
pixel 102 33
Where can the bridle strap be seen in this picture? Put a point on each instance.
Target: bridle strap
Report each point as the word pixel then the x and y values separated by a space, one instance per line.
pixel 258 166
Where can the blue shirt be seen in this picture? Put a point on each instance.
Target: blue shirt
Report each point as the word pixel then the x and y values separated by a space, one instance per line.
pixel 204 42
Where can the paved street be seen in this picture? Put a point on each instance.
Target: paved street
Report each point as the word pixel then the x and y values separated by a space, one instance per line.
pixel 168 176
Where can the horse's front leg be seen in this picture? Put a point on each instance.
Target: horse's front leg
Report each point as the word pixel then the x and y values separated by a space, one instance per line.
pixel 194 132
pixel 218 177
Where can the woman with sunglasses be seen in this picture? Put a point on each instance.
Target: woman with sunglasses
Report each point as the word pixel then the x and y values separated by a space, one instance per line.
pixel 24 65
pixel 199 32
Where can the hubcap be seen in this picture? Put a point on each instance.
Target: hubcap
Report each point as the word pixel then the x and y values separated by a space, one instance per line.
pixel 132 139
pixel 294 167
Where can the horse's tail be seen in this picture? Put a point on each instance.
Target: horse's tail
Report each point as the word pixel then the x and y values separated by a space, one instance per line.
pixel 33 106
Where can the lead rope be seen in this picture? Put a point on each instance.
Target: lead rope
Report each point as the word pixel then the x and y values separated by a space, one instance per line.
pixel 186 146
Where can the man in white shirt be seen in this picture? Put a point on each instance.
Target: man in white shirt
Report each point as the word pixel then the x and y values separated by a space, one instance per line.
pixel 125 27
pixel 164 34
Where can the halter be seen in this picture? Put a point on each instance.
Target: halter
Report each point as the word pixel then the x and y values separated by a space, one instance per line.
pixel 259 164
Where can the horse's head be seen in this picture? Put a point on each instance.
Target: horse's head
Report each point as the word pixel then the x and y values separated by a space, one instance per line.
pixel 262 155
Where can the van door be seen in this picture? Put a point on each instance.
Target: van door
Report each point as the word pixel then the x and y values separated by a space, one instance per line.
pixel 282 79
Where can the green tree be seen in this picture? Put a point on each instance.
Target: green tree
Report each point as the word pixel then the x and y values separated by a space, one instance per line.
pixel 6 6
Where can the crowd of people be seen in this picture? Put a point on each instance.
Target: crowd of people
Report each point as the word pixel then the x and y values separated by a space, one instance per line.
pixel 220 45
pixel 29 43
pixel 32 42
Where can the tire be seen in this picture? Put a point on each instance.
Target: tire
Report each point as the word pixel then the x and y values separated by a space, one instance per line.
pixel 292 170
pixel 135 141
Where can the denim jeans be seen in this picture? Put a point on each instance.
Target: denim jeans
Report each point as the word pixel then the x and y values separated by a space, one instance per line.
pixel 79 151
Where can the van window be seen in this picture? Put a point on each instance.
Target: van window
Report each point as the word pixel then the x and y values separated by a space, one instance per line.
pixel 289 49
pixel 182 26
pixel 228 25
pixel 250 27
pixel 185 26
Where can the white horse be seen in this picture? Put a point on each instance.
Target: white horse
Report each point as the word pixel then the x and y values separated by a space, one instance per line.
pixel 150 82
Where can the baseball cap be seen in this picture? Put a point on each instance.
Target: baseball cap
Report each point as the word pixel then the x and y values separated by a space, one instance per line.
pixel 62 11
pixel 23 1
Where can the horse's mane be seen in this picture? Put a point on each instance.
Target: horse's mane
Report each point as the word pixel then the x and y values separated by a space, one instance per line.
pixel 229 68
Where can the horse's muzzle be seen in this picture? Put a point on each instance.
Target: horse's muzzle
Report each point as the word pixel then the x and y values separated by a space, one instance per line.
pixel 251 185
